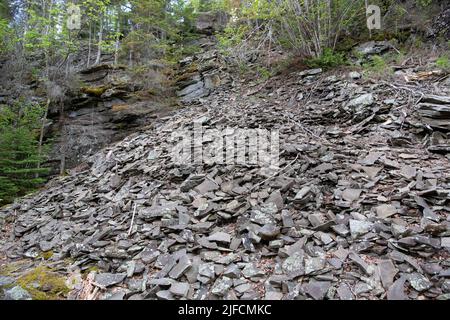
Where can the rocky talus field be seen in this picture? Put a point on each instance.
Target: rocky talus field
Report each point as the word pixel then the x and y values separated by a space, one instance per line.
pixel 358 207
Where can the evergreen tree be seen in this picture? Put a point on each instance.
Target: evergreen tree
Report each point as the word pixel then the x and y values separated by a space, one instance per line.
pixel 19 157
pixel 5 12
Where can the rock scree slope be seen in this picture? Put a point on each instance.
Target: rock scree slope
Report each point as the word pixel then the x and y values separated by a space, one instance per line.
pixel 358 209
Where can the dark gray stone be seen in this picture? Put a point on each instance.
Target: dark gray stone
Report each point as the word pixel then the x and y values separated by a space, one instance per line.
pixel 109 279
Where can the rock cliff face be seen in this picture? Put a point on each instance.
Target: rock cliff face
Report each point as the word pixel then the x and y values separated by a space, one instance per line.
pixel 109 106
pixel 105 103
pixel 441 24
pixel 201 74
pixel 94 107
pixel 210 22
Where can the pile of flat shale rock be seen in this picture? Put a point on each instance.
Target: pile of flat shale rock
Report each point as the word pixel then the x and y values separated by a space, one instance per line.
pixel 359 208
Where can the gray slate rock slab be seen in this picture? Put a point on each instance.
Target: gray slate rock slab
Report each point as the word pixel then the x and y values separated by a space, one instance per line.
pixel 385 211
pixel 387 272
pixel 293 265
pixel 17 293
pixel 220 237
pixel 269 232
pixel 317 289
pixel 361 101
pixel 419 282
pixel 6 281
pixel 180 289
pixel 273 295
pixel 164 295
pixel 180 268
pixel 397 290
pixel 313 265
pixel 359 228
pixel 221 286
pixel 109 279
pixel 344 292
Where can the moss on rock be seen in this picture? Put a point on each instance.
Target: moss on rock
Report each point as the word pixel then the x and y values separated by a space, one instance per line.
pixel 95 91
pixel 47 255
pixel 44 284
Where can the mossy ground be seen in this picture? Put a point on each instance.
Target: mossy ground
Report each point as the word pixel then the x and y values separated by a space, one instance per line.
pixel 46 255
pixel 11 269
pixel 44 284
pixel 91 269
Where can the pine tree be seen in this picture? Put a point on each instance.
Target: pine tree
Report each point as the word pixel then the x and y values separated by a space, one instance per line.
pixel 20 170
pixel 5 12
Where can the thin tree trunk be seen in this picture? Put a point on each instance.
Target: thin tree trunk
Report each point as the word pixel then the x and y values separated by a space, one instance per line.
pixel 117 45
pixel 100 40
pixel 62 165
pixel 329 41
pixel 130 62
pixel 89 45
pixel 41 134
pixel 116 53
pixel 47 58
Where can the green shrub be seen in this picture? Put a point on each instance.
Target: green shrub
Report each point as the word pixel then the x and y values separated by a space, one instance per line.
pixel 443 62
pixel 231 37
pixel 424 3
pixel 329 59
pixel 305 28
pixel 264 73
pixel 6 37
pixel 377 66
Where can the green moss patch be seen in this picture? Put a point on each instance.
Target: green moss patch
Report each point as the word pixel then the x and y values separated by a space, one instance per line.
pixel 12 268
pixel 44 284
pixel 94 91
pixel 46 255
